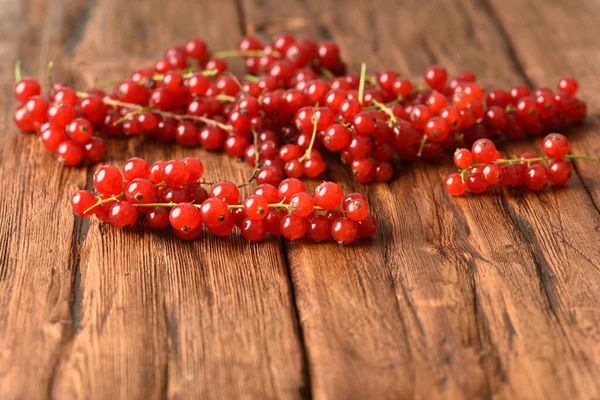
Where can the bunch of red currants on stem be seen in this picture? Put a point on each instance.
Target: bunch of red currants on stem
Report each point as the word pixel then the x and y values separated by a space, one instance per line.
pixel 170 193
pixel 300 101
pixel 483 166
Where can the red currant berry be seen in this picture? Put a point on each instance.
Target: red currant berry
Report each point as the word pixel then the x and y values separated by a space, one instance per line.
pixel 302 204
pixel 293 227
pixel 555 146
pixel 455 185
pixel 328 195
pixel 214 212
pixel 136 168
pixel 184 217
pixel 318 228
pixel 195 167
pixel 81 201
pixel 157 218
pixel 226 191
pixel 175 173
pixel 123 214
pixel 344 230
pixel 70 153
pixel 53 137
pixel 436 77
pixel 289 187
pixel 140 191
pixel 560 172
pixel 256 207
pixel 492 173
pixel 476 183
pixel 27 88
pixel 537 177
pixel 568 85
pixel 94 149
pixel 463 158
pixel 356 206
pixel 484 151
pixel 367 227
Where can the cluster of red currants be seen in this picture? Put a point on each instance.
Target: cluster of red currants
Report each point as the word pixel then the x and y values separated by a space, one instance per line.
pixel 297 102
pixel 63 122
pixel 170 193
pixel 483 165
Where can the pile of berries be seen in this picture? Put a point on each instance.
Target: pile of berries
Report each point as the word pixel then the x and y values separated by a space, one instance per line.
pixel 483 166
pixel 299 101
pixel 61 119
pixel 171 193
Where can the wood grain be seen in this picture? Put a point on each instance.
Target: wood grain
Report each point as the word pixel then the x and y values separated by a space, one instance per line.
pixel 149 316
pixel 477 297
pixel 475 279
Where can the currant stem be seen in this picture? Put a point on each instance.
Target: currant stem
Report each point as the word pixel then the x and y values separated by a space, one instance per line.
pixel 256 162
pixel 251 78
pixel 49 72
pixel 107 200
pixel 131 114
pixel 164 114
pixel 327 73
pixel 239 53
pixel 386 110
pixel 527 161
pixel 361 84
pixel 422 146
pixel 312 138
pixel 225 98
pixel 18 71
pixel 187 74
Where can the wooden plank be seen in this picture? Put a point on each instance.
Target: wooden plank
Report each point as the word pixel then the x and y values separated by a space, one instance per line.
pixel 151 316
pixel 38 234
pixel 475 278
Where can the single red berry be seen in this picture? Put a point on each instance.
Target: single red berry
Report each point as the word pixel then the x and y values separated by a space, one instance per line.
pixel 136 168
pixel 476 183
pixel 537 177
pixel 560 172
pixel 436 77
pixel 214 212
pixel 436 129
pixel 123 214
pixel 256 207
pixel 484 151
pixel 140 191
pixel 37 108
pixel 356 207
pixel 302 204
pixel 61 114
pixel 328 195
pixel 157 218
pixel 226 191
pixel 52 137
pixel 175 173
pixel 94 149
pixel 463 158
pixel 253 230
pixel 273 221
pixel 367 227
pixel 318 228
pixel 289 187
pixel 108 180
pixel 269 192
pixel 455 185
pixel 492 173
pixel 81 201
pixel 344 230
pixel 70 153
pixel 568 85
pixel 271 175
pixel 293 227
pixel 80 130
pixel 157 172
pixel 195 167
pixel 27 88
pixel 555 146
pixel 184 217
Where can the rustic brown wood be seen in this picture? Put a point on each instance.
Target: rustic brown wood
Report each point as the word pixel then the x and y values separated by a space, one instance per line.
pixel 132 314
pixel 492 279
pixel 475 297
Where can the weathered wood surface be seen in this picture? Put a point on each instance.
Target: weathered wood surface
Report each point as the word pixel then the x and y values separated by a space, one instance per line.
pixel 477 297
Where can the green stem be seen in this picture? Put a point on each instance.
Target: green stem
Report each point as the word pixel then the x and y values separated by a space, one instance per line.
pixel 361 84
pixel 18 71
pixel 238 53
pixel 107 200
pixel 164 114
pixel 251 78
pixel 422 146
pixel 131 114
pixel 312 138
pixel 327 73
pixel 49 72
pixel 386 110
pixel 515 160
pixel 225 98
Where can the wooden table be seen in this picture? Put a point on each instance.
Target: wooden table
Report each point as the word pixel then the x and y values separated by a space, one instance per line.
pixel 485 296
